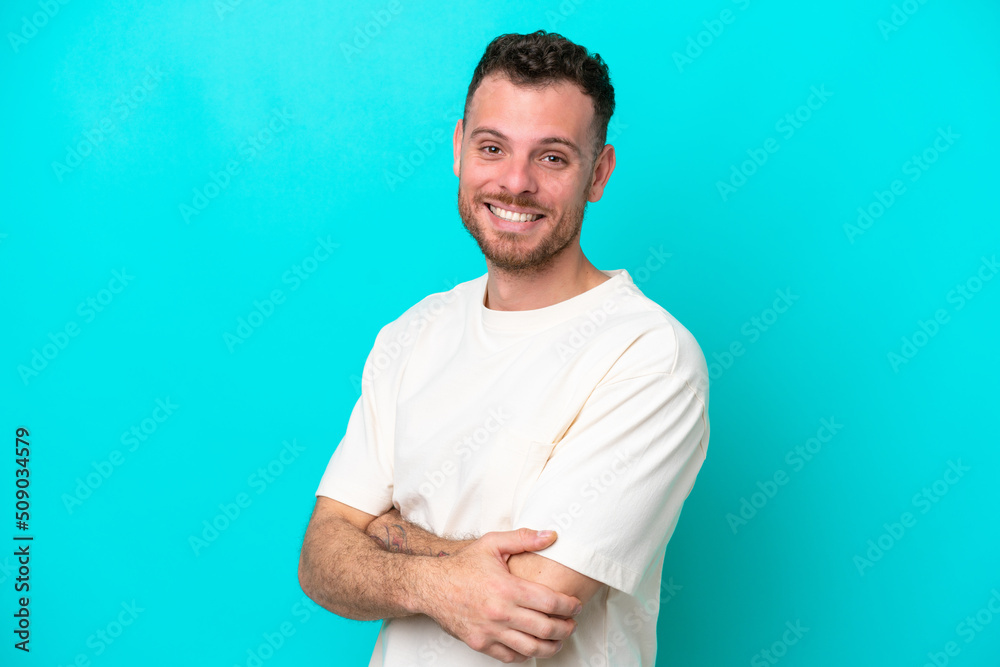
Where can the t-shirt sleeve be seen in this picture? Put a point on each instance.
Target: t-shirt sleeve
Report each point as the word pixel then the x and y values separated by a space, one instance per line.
pixel 614 485
pixel 360 472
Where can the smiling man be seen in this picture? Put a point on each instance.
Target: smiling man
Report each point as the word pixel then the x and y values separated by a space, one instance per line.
pixel 545 395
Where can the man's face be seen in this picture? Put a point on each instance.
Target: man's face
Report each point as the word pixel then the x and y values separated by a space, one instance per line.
pixel 508 159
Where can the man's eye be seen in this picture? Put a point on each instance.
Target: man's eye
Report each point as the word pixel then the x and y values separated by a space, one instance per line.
pixel 489 151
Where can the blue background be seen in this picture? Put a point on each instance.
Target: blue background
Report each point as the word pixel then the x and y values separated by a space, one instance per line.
pixel 157 99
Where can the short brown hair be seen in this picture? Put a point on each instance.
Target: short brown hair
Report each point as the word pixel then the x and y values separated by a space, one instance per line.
pixel 540 58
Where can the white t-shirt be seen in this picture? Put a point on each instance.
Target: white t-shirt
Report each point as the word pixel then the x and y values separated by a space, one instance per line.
pixel 588 417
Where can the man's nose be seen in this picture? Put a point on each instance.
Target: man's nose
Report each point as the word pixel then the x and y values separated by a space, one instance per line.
pixel 518 176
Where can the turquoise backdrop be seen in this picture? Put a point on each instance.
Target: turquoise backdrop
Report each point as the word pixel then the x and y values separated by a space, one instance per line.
pixel 210 209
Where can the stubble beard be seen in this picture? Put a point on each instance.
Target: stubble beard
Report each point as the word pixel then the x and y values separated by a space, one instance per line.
pixel 507 251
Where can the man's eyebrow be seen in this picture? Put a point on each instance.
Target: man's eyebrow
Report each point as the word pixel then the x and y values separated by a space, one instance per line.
pixel 547 140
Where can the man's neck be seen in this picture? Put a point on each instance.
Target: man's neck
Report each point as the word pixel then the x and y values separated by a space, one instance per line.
pixel 555 283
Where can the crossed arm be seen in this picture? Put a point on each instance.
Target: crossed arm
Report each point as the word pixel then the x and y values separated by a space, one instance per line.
pixel 393 533
pixel 491 593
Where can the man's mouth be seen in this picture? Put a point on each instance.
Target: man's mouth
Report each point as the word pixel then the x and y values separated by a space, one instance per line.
pixel 512 216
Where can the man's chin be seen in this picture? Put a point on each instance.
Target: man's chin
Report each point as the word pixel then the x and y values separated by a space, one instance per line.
pixel 516 262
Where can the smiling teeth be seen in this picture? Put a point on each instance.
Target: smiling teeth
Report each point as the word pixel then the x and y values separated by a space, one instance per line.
pixel 513 217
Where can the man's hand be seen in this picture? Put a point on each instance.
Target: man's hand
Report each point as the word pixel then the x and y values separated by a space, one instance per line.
pixel 393 533
pixel 473 596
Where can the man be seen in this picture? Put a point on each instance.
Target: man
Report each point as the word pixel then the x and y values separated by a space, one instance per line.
pixel 544 395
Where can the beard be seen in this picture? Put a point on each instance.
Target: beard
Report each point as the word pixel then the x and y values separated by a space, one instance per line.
pixel 511 252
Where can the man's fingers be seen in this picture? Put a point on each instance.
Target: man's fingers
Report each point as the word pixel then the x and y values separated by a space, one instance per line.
pixel 518 541
pixel 527 645
pixel 541 598
pixel 504 654
pixel 537 624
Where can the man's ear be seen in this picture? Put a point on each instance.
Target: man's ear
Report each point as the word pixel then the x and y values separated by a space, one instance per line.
pixel 457 147
pixel 603 166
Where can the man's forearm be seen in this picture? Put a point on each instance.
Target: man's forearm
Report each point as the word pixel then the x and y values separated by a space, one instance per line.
pixel 350 574
pixel 393 533
pixel 346 572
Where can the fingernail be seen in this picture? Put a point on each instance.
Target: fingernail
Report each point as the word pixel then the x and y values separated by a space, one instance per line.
pixel 545 534
pixel 559 646
pixel 578 609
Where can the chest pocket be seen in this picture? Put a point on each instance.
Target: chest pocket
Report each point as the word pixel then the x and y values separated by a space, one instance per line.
pixel 514 466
